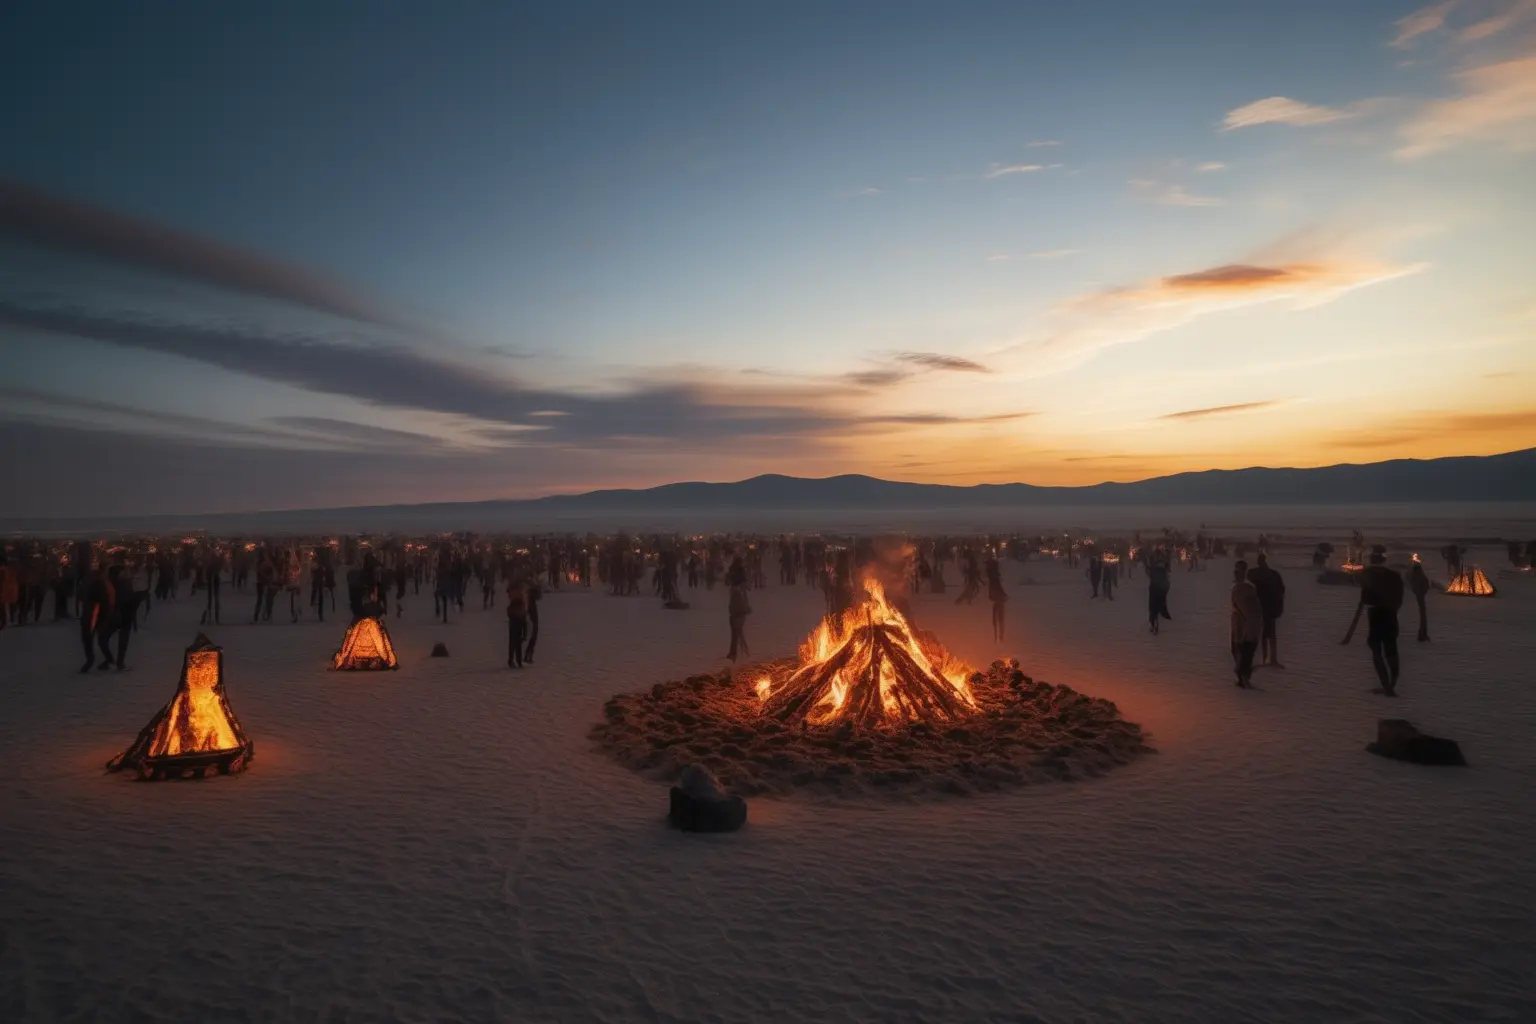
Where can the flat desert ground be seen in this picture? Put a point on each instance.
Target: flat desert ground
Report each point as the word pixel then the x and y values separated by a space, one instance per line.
pixel 443 843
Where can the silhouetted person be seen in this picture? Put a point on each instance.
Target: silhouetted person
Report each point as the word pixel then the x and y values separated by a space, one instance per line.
pixel 1271 588
pixel 1381 595
pixel 1157 592
pixel 1095 574
pixel 738 608
pixel 1418 583
pixel 126 617
pixel 99 607
pixel 212 572
pixel 1247 623
pixel 997 595
pixel 534 594
pixel 1110 576
pixel 517 623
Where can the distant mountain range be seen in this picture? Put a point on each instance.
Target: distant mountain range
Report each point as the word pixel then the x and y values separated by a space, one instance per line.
pixel 1509 477
pixel 1494 478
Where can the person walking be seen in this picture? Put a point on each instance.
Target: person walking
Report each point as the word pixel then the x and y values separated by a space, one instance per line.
pixel 1110 577
pixel 1247 623
pixel 1381 596
pixel 1418 583
pixel 517 622
pixel 738 608
pixel 1271 587
pixel 99 609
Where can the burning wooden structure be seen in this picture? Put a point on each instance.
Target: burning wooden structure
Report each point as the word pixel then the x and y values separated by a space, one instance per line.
pixel 868 667
pixel 1470 582
pixel 197 732
pixel 366 647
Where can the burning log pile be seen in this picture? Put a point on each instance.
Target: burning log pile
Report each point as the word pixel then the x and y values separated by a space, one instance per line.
pixel 868 667
pixel 1020 732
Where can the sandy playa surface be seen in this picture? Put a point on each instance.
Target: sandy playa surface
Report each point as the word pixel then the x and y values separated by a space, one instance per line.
pixel 442 842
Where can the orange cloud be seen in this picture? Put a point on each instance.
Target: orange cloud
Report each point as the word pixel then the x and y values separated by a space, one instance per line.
pixel 1221 410
pixel 1435 434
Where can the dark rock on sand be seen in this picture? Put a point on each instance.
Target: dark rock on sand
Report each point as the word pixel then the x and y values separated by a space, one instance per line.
pixel 1398 739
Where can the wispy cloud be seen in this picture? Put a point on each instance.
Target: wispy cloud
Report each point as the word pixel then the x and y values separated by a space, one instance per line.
pixel 1421 22
pixel 940 361
pixel 1221 410
pixel 998 257
pixel 1464 430
pixel 1117 316
pixel 1496 107
pixel 39 218
pixel 1211 165
pixel 1037 143
pixel 1515 14
pixel 393 376
pixel 1003 170
pixel 1282 110
pixel 1171 195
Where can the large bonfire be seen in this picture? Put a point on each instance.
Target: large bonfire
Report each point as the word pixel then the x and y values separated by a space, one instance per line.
pixel 869 667
pixel 869 702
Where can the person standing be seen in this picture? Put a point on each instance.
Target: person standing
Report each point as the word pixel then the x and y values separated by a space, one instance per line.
pixel 1247 623
pixel 1111 576
pixel 997 595
pixel 1381 595
pixel 1271 587
pixel 534 595
pixel 1418 583
pixel 1157 592
pixel 213 572
pixel 266 584
pixel 738 608
pixel 320 563
pixel 517 622
pixel 10 589
pixel 1095 573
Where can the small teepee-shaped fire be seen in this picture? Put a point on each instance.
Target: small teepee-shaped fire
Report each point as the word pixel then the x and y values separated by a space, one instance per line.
pixel 366 646
pixel 196 732
pixel 869 667
pixel 1470 582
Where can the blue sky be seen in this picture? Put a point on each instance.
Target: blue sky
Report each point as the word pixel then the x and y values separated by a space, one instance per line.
pixel 614 244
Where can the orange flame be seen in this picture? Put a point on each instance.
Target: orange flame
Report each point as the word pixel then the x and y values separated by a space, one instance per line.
pixel 869 666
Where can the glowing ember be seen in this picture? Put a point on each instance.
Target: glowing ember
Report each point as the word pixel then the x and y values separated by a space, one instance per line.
pixel 1470 583
pixel 868 667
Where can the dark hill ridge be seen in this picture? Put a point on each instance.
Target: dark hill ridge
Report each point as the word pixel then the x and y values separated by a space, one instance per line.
pixel 1493 478
pixel 1509 477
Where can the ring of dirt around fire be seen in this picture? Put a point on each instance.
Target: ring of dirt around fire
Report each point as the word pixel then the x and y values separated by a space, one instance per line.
pixel 1023 732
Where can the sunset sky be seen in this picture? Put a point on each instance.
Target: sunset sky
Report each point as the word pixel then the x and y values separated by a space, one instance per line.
pixel 267 255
